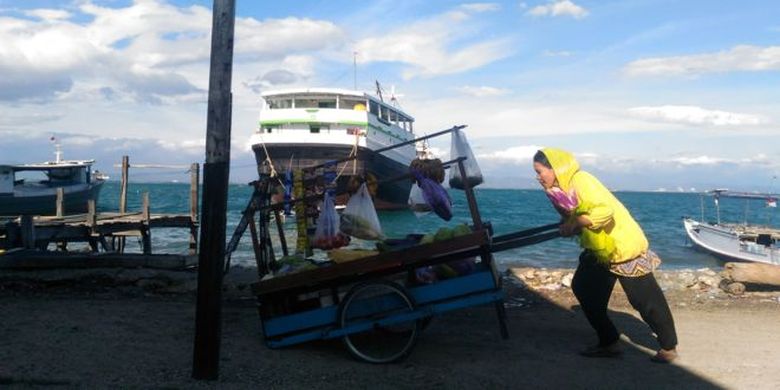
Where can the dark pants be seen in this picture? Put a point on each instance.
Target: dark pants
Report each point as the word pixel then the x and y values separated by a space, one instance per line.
pixel 592 285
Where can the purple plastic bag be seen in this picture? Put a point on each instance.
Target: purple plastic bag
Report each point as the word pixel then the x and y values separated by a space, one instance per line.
pixel 435 195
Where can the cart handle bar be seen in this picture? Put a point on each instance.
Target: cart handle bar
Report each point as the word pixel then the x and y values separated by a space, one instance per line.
pixel 526 233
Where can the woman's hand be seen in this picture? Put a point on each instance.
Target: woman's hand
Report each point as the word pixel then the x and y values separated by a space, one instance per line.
pixel 569 228
pixel 574 225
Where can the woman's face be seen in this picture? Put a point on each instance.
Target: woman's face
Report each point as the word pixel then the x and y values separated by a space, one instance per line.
pixel 545 176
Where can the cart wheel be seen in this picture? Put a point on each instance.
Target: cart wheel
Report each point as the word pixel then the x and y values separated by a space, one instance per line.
pixel 372 302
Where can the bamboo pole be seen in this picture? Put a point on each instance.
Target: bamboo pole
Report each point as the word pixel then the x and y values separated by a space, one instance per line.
pixel 216 171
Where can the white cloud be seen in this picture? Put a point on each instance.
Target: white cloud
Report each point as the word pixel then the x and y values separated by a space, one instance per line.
pixel 738 58
pixel 188 146
pixel 516 154
pixel 483 91
pixel 480 7
pixel 699 160
pixel 429 47
pixel 559 8
pixel 49 14
pixel 695 115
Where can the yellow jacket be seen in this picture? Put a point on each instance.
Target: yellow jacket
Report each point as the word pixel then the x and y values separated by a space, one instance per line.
pixel 611 220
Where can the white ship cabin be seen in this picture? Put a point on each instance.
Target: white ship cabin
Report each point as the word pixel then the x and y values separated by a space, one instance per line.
pixel 332 116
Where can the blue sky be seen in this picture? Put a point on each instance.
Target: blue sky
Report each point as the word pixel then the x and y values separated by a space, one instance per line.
pixel 648 94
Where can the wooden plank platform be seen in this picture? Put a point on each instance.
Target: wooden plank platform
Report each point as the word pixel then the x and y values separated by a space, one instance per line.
pixel 35 259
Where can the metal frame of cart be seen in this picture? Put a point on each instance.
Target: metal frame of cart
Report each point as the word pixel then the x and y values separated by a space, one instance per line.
pixel 373 303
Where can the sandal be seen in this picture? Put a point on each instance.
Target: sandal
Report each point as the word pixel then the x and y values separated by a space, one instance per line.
pixel 602 351
pixel 664 356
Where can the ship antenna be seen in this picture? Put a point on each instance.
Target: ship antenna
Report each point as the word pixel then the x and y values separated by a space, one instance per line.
pixel 379 91
pixel 57 150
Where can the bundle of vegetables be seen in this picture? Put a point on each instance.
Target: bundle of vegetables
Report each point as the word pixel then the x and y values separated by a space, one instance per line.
pixel 359 218
pixel 445 233
pixel 357 226
pixel 450 269
pixel 293 263
pixel 435 195
pixel 430 168
pixel 344 255
pixel 328 235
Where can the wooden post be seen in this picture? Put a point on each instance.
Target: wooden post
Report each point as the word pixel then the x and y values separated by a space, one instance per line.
pixel 123 186
pixel 60 199
pixel 92 222
pixel 216 171
pixel 146 229
pixel 28 231
pixel 91 214
pixel 194 182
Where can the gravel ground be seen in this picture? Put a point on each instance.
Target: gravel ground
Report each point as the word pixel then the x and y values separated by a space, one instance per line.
pixel 93 332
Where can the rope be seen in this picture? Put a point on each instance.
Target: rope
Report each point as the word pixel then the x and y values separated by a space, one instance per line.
pixel 274 174
pixel 352 152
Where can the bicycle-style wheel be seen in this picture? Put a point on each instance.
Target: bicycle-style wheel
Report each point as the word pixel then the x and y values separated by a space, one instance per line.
pixel 375 316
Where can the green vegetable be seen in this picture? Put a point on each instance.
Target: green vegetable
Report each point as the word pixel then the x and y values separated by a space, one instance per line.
pixel 443 234
pixel 461 230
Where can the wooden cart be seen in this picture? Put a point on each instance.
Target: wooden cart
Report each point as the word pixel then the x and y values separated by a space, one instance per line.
pixel 374 304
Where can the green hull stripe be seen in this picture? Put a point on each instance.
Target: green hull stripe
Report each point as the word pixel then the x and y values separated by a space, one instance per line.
pixel 296 121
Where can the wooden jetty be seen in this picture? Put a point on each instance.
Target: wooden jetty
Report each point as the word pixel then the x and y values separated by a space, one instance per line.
pixel 25 240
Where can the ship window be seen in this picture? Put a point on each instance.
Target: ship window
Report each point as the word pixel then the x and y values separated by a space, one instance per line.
pixel 305 103
pixel 279 103
pixel 373 108
pixel 316 129
pixel 326 103
pixel 353 104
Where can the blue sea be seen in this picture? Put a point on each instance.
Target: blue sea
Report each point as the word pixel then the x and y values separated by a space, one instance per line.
pixel 508 210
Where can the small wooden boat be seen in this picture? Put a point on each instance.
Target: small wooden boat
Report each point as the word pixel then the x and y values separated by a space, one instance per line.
pixel 32 188
pixel 736 242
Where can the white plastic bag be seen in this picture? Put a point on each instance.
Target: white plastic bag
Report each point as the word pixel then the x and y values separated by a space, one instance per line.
pixel 417 202
pixel 460 148
pixel 359 218
pixel 328 235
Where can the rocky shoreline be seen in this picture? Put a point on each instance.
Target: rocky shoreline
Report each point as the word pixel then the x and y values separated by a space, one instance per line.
pixel 238 281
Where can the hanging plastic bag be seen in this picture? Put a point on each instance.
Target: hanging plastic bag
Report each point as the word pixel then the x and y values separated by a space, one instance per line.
pixel 435 196
pixel 359 218
pixel 460 148
pixel 417 202
pixel 327 235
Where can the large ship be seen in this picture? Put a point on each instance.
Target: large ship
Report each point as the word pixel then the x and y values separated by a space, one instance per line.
pixel 301 128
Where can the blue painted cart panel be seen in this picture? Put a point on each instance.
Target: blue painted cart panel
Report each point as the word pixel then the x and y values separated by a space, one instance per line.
pixel 477 288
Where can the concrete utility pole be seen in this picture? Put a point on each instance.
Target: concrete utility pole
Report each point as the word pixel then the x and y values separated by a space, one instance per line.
pixel 216 170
